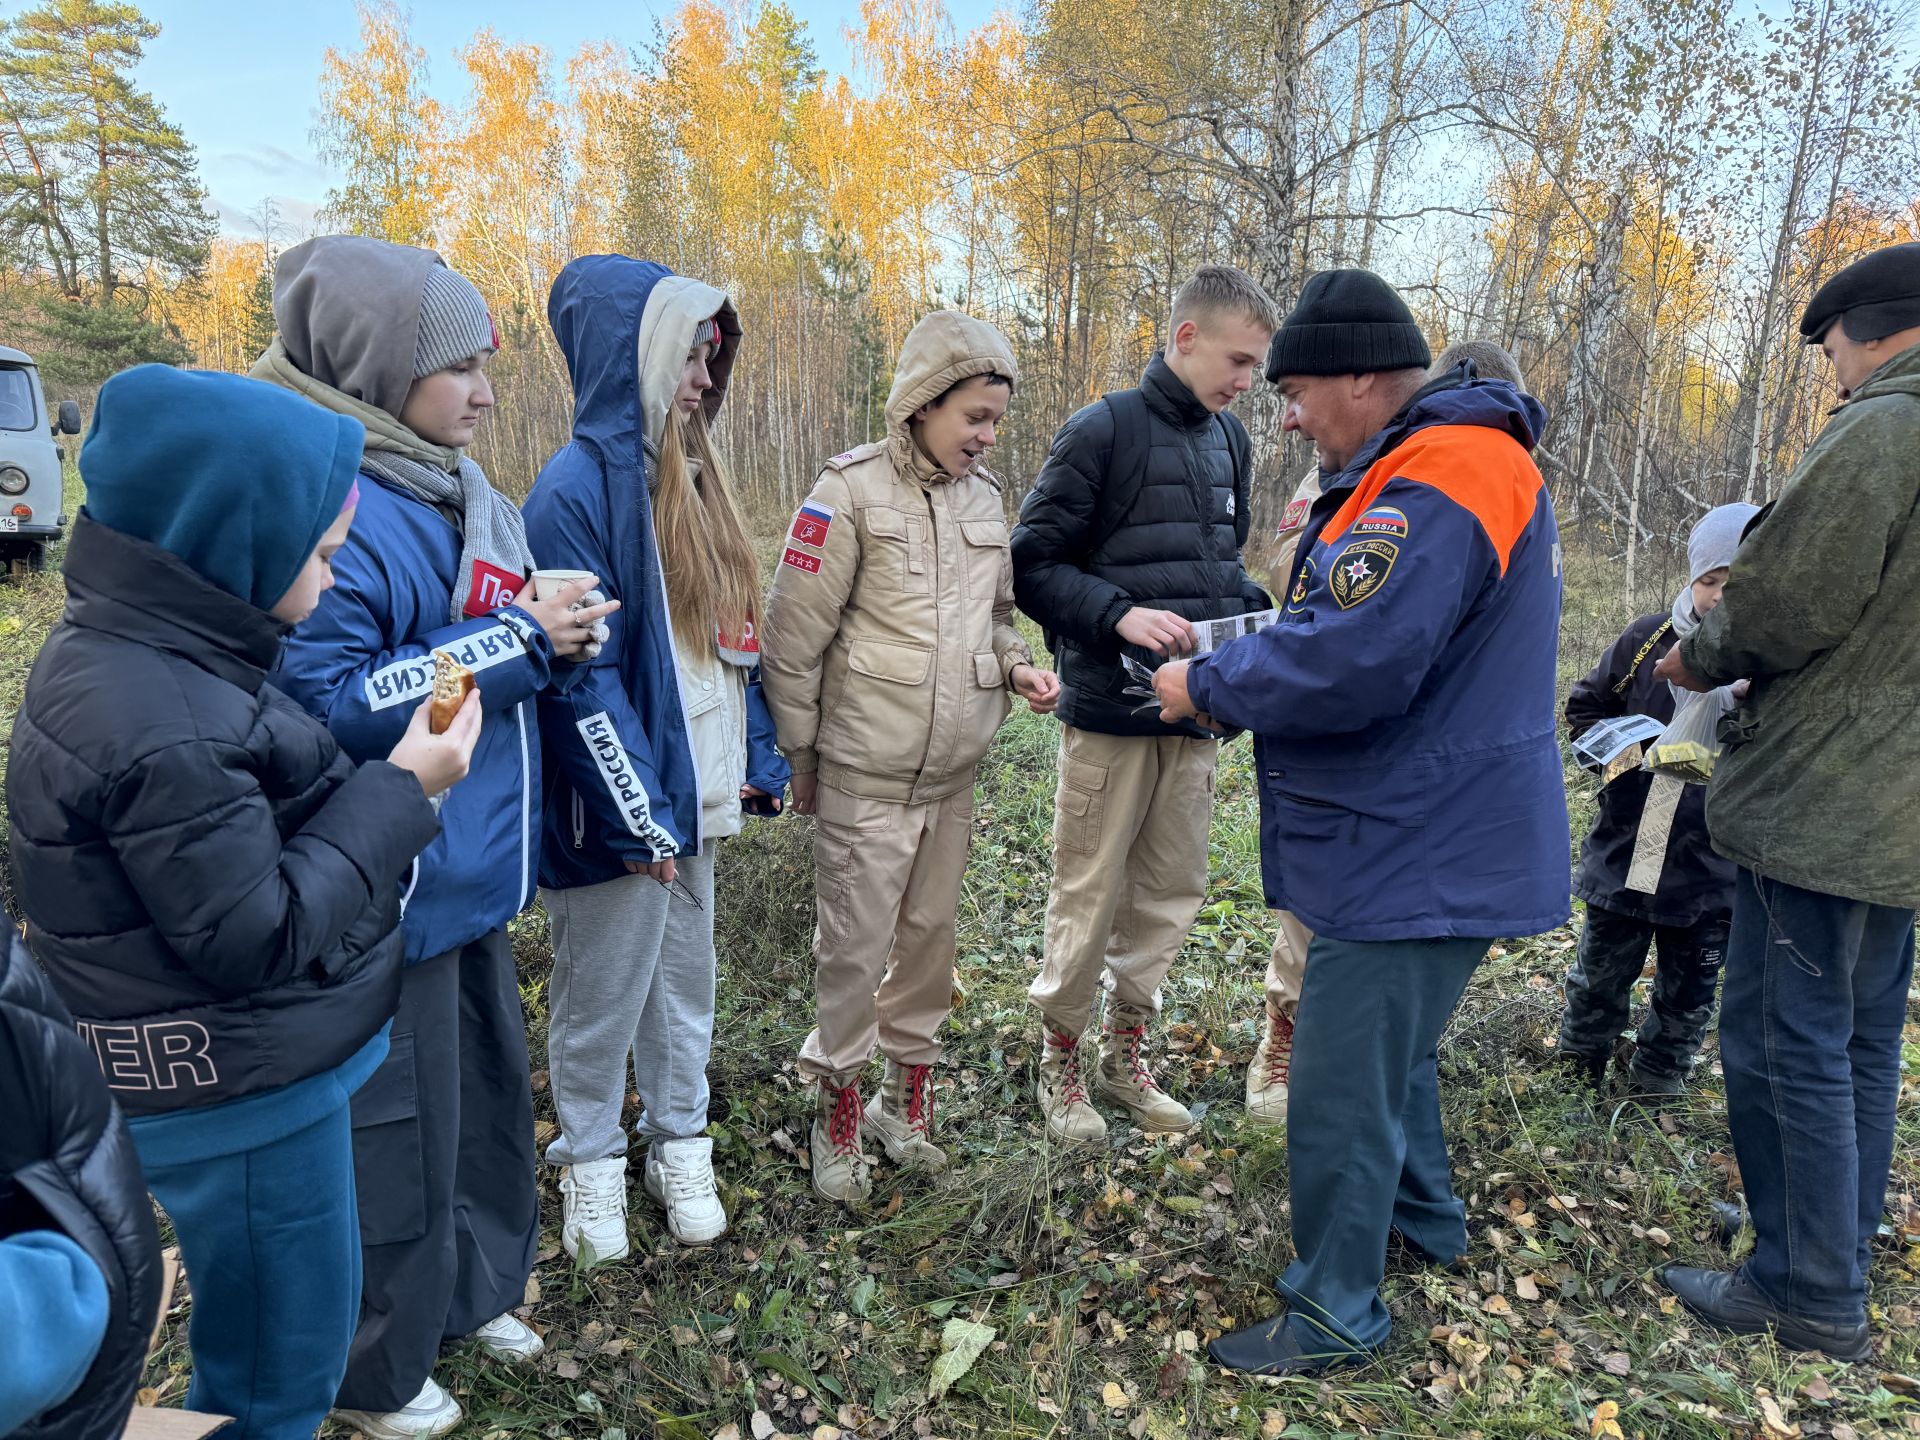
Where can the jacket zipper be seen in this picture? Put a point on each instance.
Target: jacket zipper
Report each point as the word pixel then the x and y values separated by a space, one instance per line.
pixel 526 807
pixel 579 821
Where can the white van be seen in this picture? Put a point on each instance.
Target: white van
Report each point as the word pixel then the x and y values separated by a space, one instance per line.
pixel 32 501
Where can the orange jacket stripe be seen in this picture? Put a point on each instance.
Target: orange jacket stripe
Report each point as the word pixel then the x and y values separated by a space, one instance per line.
pixel 1483 471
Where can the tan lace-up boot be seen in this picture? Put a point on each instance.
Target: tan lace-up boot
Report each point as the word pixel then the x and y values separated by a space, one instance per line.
pixel 1063 1091
pixel 902 1116
pixel 1123 1075
pixel 1267 1075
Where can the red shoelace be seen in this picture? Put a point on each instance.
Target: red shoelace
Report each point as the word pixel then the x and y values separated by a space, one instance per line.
pixel 920 1099
pixel 1279 1048
pixel 1136 1065
pixel 1071 1090
pixel 844 1128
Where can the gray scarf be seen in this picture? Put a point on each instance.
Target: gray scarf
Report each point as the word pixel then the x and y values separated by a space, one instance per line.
pixel 491 527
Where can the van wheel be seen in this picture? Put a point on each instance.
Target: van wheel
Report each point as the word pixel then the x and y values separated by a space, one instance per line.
pixel 23 558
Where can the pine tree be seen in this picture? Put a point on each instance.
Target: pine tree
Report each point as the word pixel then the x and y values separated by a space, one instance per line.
pixel 97 178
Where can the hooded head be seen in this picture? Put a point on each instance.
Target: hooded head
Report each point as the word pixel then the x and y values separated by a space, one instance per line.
pixel 1711 545
pixel 368 317
pixel 942 350
pixel 237 478
pixel 630 330
pixel 625 348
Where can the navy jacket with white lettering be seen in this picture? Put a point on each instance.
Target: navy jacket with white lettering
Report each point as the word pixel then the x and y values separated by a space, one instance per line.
pixel 363 663
pixel 622 781
pixel 1403 708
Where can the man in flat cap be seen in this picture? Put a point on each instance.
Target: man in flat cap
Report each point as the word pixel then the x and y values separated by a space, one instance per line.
pixel 1412 807
pixel 1814 798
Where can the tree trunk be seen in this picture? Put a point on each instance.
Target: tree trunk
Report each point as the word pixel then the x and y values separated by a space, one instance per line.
pixel 1783 252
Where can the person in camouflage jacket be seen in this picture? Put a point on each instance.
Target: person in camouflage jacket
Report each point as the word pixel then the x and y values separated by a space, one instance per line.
pixel 1814 799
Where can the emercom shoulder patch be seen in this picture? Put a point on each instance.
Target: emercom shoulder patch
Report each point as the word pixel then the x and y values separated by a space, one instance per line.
pixel 1360 570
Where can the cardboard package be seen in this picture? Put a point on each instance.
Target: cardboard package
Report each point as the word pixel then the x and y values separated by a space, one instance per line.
pixel 151 1422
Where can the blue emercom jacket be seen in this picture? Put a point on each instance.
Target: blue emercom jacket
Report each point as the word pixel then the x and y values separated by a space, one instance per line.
pixel 1410 776
pixel 363 662
pixel 622 783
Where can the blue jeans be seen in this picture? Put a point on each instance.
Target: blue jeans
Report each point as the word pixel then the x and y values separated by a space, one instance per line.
pixel 1810 1018
pixel 273 1260
pixel 1365 1152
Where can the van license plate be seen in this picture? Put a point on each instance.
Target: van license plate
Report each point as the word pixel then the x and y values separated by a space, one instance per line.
pixel 9 524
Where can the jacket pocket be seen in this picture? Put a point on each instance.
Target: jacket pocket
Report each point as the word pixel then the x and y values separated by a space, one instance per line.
pixel 987 554
pixel 389 1168
pixel 1351 847
pixel 882 660
pixel 900 546
pixel 881 717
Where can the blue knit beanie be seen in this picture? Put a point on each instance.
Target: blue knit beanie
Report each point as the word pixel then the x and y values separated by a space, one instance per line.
pixel 236 477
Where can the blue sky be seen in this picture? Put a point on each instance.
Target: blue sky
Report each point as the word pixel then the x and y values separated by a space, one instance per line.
pixel 241 77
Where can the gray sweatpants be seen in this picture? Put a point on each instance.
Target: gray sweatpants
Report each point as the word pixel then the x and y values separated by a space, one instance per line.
pixel 632 975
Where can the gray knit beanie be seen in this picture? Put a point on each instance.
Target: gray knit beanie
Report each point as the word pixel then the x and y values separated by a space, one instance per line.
pixel 454 322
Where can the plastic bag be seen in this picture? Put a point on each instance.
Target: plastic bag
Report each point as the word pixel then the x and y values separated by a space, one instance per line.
pixel 1689 745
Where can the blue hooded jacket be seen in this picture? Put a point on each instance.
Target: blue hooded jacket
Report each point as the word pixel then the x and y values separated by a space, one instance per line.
pixel 622 779
pixel 1404 707
pixel 363 663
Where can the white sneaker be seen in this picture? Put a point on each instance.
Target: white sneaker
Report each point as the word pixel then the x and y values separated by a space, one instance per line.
pixel 432 1412
pixel 593 1216
pixel 510 1338
pixel 679 1175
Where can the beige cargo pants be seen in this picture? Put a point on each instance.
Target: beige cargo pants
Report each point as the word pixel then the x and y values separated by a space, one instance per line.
pixel 887 881
pixel 1130 821
pixel 1287 965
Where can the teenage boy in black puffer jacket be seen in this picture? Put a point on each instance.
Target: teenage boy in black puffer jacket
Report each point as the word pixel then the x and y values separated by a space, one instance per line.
pixel 1132 532
pixel 211 885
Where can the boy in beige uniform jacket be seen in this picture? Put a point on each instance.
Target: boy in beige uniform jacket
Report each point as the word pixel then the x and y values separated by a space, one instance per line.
pixel 888 651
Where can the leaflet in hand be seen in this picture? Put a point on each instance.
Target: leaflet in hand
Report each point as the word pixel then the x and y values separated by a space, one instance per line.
pixel 1212 634
pixel 1607 741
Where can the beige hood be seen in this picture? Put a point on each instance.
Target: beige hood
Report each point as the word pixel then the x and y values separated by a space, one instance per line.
pixel 940 351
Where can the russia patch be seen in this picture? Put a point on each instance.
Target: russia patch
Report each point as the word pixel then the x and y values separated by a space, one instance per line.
pixel 1382 520
pixel 800 560
pixel 1360 570
pixel 492 588
pixel 811 524
pixel 1295 516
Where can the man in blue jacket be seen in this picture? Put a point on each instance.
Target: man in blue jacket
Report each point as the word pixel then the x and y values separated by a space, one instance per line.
pixel 1412 807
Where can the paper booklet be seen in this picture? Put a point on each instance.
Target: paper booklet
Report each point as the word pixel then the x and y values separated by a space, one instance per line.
pixel 1212 634
pixel 1610 739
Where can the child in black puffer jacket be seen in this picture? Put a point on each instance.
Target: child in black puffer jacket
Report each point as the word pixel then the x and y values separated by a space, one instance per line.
pixel 214 888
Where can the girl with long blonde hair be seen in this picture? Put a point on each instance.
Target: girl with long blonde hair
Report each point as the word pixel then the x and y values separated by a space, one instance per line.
pixel 657 753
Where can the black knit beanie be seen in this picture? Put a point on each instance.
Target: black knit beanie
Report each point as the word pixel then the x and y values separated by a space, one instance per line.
pixel 1348 322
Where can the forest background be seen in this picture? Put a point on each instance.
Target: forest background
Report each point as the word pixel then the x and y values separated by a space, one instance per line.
pixel 1634 196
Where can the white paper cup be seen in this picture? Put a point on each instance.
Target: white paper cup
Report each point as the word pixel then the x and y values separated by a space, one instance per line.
pixel 549 583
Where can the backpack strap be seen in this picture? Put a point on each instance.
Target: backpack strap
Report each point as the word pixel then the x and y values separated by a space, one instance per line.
pixel 1240 448
pixel 1132 431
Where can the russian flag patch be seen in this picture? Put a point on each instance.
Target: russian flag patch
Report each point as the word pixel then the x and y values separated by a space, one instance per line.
pixel 1382 520
pixel 811 524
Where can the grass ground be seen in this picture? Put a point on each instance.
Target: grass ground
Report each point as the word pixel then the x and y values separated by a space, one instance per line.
pixel 1093 1279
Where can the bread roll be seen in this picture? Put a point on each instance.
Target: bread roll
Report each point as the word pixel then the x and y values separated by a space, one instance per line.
pixel 451 682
